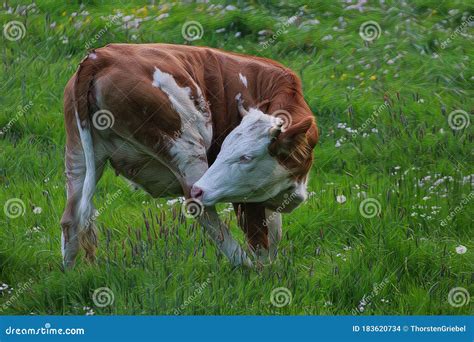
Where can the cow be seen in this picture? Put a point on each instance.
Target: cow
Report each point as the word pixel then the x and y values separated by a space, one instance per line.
pixel 198 122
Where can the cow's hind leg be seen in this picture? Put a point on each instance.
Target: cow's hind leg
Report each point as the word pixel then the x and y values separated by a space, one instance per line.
pixel 77 222
pixel 75 175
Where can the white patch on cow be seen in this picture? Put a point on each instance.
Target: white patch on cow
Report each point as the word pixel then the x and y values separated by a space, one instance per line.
pixel 93 55
pixel 244 169
pixel 243 79
pixel 203 105
pixel 195 125
pixel 192 118
pixel 179 96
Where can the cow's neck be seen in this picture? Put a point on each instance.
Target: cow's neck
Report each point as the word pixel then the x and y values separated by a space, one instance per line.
pixel 269 92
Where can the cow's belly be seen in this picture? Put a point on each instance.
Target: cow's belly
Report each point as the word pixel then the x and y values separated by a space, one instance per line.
pixel 143 170
pixel 151 176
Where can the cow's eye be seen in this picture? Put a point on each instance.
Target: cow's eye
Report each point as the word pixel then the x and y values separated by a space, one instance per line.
pixel 245 158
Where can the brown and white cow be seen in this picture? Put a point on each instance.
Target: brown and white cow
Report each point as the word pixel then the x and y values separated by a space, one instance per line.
pixel 193 121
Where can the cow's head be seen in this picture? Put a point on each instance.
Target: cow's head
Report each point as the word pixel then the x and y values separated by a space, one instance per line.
pixel 260 161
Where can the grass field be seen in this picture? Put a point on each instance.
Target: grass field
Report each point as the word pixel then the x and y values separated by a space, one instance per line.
pixel 391 188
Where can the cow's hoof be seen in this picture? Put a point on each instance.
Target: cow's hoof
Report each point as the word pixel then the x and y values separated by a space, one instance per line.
pixel 264 257
pixel 247 262
pixel 242 260
pixel 67 265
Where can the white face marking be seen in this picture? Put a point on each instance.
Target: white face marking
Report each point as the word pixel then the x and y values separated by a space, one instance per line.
pixel 243 79
pixel 244 169
pixel 196 124
pixel 92 55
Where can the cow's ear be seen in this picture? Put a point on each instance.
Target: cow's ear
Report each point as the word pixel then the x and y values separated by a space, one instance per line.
pixel 291 138
pixel 299 128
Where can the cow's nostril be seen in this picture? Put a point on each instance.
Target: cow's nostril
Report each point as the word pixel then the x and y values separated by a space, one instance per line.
pixel 196 192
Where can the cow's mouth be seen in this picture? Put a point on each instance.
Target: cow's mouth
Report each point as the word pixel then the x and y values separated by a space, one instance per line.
pixel 202 195
pixel 214 199
pixel 209 202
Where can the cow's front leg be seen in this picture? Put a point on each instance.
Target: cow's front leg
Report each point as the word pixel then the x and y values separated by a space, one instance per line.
pixel 220 234
pixel 251 218
pixel 262 228
pixel 191 167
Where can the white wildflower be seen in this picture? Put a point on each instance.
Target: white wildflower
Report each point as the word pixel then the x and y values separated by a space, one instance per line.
pixel 172 201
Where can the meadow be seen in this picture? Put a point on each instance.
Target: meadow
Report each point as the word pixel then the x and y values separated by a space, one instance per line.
pixel 388 226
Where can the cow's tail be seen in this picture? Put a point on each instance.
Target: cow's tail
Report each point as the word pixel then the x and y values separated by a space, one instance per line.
pixel 82 86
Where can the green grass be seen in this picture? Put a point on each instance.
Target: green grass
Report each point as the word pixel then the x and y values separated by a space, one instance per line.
pixel 330 256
